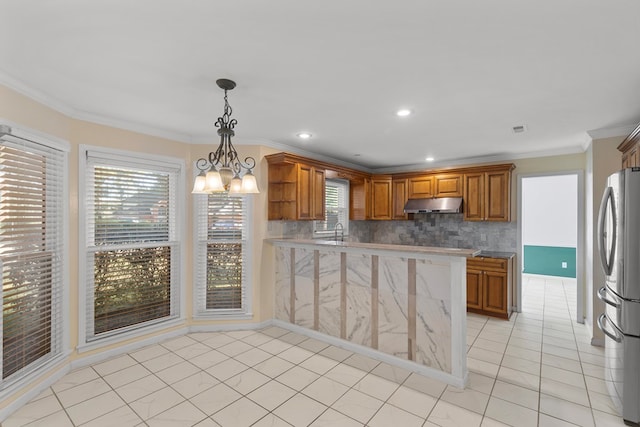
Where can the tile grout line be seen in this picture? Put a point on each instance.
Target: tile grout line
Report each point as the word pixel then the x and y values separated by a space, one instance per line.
pixel 552 328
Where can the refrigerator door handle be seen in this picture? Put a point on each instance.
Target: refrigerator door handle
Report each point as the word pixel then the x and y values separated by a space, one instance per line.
pixel 602 296
pixel 613 335
pixel 607 262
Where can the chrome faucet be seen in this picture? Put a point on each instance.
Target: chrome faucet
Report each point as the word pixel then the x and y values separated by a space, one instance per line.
pixel 335 232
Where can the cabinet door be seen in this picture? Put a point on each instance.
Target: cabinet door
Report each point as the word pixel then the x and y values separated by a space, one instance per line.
pixel 305 192
pixel 421 187
pixel 357 200
pixel 474 288
pixel 318 194
pixel 474 197
pixel 381 198
pixel 497 200
pixel 399 195
pixel 448 185
pixel 494 298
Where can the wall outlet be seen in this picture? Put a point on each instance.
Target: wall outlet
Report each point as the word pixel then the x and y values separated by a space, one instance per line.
pixel 564 264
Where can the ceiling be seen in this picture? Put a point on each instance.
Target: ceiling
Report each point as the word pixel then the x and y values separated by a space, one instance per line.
pixel 470 70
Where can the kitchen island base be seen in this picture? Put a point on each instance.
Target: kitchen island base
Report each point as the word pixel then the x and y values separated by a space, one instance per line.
pixel 401 304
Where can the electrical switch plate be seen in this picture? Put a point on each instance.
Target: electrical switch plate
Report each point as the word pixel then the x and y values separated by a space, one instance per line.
pixel 564 264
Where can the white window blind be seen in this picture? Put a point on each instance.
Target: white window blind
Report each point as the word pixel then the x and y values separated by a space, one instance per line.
pixel 133 248
pixel 31 253
pixel 336 194
pixel 222 266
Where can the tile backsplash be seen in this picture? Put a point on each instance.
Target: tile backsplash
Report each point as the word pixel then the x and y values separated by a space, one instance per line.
pixel 444 230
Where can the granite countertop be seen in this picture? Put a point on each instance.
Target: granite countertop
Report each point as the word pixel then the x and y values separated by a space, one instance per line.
pixel 496 254
pixel 430 250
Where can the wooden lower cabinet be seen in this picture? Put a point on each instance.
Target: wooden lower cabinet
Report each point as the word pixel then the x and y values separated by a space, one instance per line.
pixel 489 286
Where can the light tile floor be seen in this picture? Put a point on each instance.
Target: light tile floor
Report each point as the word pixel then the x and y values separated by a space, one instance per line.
pixel 538 369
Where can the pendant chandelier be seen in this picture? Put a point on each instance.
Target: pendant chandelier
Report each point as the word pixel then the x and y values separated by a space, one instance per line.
pixel 223 169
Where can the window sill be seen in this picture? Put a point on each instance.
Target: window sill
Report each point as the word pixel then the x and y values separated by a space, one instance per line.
pixel 223 316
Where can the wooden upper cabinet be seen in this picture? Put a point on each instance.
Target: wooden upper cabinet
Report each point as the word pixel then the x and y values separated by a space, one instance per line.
pixel 448 185
pixel 630 149
pixel 473 197
pixel 296 191
pixel 310 192
pixel 318 194
pixel 297 187
pixel 421 187
pixel 282 192
pixel 399 196
pixel 487 195
pixel 381 197
pixel 305 188
pixel 497 192
pixel 358 198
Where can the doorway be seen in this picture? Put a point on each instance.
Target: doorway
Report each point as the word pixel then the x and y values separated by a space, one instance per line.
pixel 551 231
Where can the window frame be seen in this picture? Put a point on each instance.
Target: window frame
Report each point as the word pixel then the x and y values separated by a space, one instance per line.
pixel 128 159
pixel 36 369
pixel 345 224
pixel 199 274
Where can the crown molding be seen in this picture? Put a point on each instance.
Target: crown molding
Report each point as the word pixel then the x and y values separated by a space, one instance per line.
pixel 74 113
pixel 495 158
pixel 301 152
pixel 610 132
pixel 64 108
pixel 37 95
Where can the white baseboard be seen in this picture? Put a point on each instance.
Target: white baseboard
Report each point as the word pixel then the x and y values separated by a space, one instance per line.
pixel 126 348
pixel 375 354
pixel 64 365
pixel 59 369
pixel 230 327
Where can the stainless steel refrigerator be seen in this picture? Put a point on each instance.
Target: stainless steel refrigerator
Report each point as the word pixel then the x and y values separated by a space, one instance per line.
pixel 619 244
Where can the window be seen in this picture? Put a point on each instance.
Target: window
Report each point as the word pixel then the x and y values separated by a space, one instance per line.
pixel 132 243
pixel 336 196
pixel 32 205
pixel 222 255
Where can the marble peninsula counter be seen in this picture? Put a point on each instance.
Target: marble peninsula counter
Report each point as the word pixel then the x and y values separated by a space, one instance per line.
pixel 402 304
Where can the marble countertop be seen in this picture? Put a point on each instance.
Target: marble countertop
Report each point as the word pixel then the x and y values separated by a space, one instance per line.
pixel 427 250
pixel 496 254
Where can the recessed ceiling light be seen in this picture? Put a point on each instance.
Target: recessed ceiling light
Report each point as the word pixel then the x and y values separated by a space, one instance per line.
pixel 304 135
pixel 429 159
pixel 403 112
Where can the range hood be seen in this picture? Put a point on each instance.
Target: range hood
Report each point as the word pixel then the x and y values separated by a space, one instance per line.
pixel 439 205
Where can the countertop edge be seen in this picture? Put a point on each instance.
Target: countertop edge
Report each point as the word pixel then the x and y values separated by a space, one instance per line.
pixel 430 250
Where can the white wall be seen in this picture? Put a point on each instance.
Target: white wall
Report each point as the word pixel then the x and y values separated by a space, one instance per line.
pixel 549 211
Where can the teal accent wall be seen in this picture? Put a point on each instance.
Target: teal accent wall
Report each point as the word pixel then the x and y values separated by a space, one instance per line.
pixel 548 260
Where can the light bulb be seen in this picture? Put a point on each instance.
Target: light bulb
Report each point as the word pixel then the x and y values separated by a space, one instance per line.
pixel 235 187
pixel 199 184
pixel 214 182
pixel 249 184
